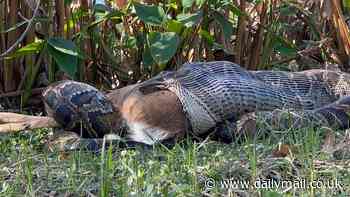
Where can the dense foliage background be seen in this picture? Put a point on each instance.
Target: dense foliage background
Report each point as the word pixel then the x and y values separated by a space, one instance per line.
pixel 111 44
pixel 114 43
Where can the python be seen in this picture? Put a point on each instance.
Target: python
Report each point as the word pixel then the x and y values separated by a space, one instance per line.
pixel 200 99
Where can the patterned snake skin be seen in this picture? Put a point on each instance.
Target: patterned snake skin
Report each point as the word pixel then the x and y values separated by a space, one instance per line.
pixel 71 103
pixel 212 93
pixel 217 91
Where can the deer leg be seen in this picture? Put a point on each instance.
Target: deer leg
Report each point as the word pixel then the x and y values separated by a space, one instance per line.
pixel 12 122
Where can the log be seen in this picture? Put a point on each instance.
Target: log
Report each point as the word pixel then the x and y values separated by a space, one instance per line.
pixel 20 92
pixel 13 122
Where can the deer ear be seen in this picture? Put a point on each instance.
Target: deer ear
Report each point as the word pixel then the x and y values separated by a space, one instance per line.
pixel 152 85
pixel 150 89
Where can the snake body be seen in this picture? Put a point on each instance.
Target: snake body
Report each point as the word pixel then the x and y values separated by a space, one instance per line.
pixel 216 91
pixel 213 92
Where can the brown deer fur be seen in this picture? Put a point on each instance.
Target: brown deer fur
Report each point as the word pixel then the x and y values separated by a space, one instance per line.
pixel 160 109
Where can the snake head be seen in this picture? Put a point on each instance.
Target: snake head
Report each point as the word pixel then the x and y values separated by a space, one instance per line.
pixel 73 104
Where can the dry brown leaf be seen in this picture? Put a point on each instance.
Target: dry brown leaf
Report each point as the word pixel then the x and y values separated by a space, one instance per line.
pixel 283 150
pixel 342 149
pixel 329 142
pixel 247 125
pixel 63 156
pixel 342 31
pixel 121 3
pixel 326 9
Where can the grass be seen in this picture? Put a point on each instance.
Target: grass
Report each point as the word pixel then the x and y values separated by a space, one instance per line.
pixel 188 169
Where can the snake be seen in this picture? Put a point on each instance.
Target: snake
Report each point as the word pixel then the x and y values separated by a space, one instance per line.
pixel 210 94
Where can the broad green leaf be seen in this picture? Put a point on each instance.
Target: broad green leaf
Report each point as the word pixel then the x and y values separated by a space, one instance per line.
pixel 206 35
pixel 199 3
pixel 235 10
pixel 217 46
pixel 115 15
pixel 65 54
pixel 34 47
pixel 174 26
pixel 283 47
pixel 226 25
pixel 141 39
pixel 100 8
pixel 187 3
pixel 284 50
pixel 64 46
pixel 163 46
pixel 147 59
pixel 131 42
pixel 65 62
pixel 173 5
pixel 150 14
pixel 67 2
pixel 190 20
pixel 286 10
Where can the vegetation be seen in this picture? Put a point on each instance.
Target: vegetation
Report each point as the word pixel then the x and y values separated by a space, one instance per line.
pixel 184 170
pixel 115 43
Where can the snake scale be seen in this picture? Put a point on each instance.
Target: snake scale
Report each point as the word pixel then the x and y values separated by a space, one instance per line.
pixel 212 93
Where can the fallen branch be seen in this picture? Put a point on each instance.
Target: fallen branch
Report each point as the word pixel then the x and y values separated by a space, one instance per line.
pixel 20 92
pixel 12 122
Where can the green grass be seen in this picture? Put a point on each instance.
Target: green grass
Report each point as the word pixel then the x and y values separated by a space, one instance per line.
pixel 188 169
